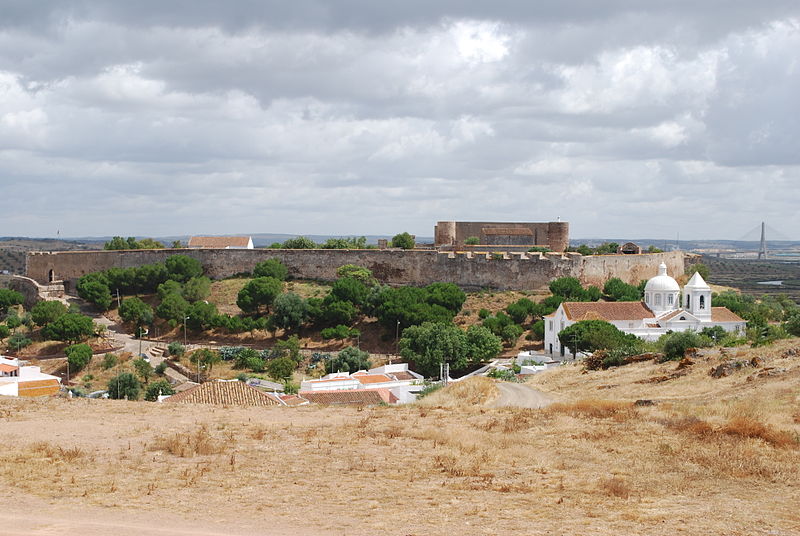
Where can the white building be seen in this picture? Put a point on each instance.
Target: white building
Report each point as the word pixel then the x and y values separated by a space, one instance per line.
pixel 660 312
pixel 401 382
pixel 19 380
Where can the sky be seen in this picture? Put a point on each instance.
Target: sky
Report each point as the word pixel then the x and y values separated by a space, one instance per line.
pixel 625 118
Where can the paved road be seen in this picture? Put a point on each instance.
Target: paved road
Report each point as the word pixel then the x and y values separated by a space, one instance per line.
pixel 519 395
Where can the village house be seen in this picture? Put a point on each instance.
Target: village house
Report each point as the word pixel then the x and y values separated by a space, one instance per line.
pixel 396 379
pixel 17 379
pixel 221 242
pixel 659 313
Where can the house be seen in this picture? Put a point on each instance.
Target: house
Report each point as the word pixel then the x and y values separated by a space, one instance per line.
pixel 221 242
pixel 225 393
pixel 401 383
pixel 17 379
pixel 360 397
pixel 659 313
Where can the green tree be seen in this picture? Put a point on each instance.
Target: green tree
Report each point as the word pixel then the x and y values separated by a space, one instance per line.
pixel 431 344
pixel 176 349
pixel 617 290
pixel 520 310
pixel 345 243
pixel 135 311
pixel 340 332
pixel 182 268
pixel 403 241
pixel 8 298
pixel 410 307
pixel 472 241
pixel 158 388
pixel 45 312
pixel 205 359
pixel 447 295
pixel 511 333
pixel 699 267
pixel 116 243
pixel 281 368
pixel 109 361
pixel 537 330
pixel 349 359
pixel 675 344
pixel 197 288
pixel 78 356
pixel 257 293
pixel 172 307
pixel 289 311
pixel 169 287
pixel 482 344
pixel 792 325
pixel 143 369
pixel 350 290
pixel 94 289
pixel 288 348
pixel 568 287
pixel 338 312
pixel 591 335
pixel 251 359
pixel 300 242
pixel 4 331
pixel 124 385
pixel 359 273
pixel 69 327
pixel 271 268
pixel 201 315
pixel 17 341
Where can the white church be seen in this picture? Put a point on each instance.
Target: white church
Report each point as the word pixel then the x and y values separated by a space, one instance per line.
pixel 660 312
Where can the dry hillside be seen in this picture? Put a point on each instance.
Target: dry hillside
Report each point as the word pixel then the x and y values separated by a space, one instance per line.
pixel 712 457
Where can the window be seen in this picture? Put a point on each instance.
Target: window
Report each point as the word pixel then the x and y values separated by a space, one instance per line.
pixel 658 299
pixel 688 301
pixel 647 298
pixel 670 299
pixel 702 302
pixel 550 325
pixel 562 325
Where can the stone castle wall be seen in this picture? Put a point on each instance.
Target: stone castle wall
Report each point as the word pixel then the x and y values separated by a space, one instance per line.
pixel 515 271
pixel 554 235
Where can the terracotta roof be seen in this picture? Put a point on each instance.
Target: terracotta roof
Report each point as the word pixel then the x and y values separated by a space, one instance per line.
pixel 355 397
pixel 225 393
pixel 219 241
pixel 723 314
pixel 402 376
pixel 39 388
pixel 609 311
pixel 7 368
pixel 372 378
pixel 293 400
pixel 671 315
pixel 512 231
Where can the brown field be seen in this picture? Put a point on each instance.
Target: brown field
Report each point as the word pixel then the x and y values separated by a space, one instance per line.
pixel 712 456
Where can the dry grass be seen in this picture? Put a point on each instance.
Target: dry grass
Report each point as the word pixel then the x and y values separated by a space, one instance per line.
pixel 710 457
pixel 473 391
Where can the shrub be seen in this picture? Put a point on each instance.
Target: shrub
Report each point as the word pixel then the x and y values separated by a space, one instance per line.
pixel 271 268
pixel 591 335
pixel 472 241
pixel 350 359
pixel 339 332
pixel 70 327
pixel 136 311
pixel 484 313
pixel 8 298
pixel 156 389
pixel 537 330
pixel 403 240
pixel 161 368
pixel 172 307
pixel 338 312
pixel 675 344
pixel 197 288
pixel 182 268
pixel 359 273
pixel 45 312
pixel 124 385
pixel 78 356
pixel 289 311
pixel 259 292
pixel 4 331
pixel 281 368
pixel 18 341
pixel 176 349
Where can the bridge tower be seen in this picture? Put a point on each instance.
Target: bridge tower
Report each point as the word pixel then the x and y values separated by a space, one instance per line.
pixel 762 250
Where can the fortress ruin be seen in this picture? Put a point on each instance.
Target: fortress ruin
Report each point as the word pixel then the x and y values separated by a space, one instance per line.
pixel 553 235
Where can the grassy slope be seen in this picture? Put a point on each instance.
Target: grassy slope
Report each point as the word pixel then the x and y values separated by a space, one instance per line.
pixel 713 457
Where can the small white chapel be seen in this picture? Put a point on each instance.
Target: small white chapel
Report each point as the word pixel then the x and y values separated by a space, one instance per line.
pixel 665 308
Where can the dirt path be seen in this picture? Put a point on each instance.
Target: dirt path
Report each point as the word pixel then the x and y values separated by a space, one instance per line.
pixel 519 395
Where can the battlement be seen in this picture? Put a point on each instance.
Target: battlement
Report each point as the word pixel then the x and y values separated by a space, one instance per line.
pixel 470 269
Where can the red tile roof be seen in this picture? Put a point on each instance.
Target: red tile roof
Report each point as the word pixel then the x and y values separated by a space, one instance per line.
pixel 219 241
pixel 355 397
pixel 372 378
pixel 7 368
pixel 225 393
pixel 723 314
pixel 609 311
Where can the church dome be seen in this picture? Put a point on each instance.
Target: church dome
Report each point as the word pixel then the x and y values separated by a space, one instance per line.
pixel 662 282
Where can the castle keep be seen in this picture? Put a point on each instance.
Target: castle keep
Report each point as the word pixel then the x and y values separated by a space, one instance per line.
pixel 553 235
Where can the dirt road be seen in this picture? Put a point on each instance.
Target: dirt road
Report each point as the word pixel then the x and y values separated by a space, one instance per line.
pixel 519 395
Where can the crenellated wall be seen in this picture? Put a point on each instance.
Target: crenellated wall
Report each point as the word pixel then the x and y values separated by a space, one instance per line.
pixel 515 271
pixel 554 235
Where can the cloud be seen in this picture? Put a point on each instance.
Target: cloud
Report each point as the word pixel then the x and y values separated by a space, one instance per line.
pixel 258 116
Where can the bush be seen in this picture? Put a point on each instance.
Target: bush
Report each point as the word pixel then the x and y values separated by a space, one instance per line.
pixel 70 327
pixel 289 311
pixel 472 241
pixel 45 312
pixel 537 330
pixel 124 385
pixel 511 333
pixel 617 290
pixel 259 292
pixel 18 341
pixel 359 273
pixel 403 241
pixel 9 298
pixel 197 288
pixel 281 368
pixel 201 315
pixel 161 368
pixel 172 307
pixel 109 361
pixel 484 313
pixel 591 335
pixel 301 242
pixel 136 311
pixel 176 349
pixel 338 312
pixel 271 268
pixel 350 290
pixel 182 268
pixel 520 310
pixel 4 331
pixel 158 388
pixel 350 359
pixel 675 344
pixel 169 287
pixel 78 356
pixel 339 332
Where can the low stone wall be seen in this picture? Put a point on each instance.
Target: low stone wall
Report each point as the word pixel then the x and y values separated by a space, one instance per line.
pixel 512 271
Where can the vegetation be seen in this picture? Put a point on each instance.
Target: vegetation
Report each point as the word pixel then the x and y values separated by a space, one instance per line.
pixel 45 312
pixel 156 389
pixel 124 385
pixel 350 359
pixel 9 298
pixel 69 327
pixel 430 344
pixel 78 356
pixel 403 241
pixel 591 335
pixel 135 311
pixel 131 243
pixel 271 268
pixel 700 268
pixel 617 290
pixel 472 241
pixel 258 294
